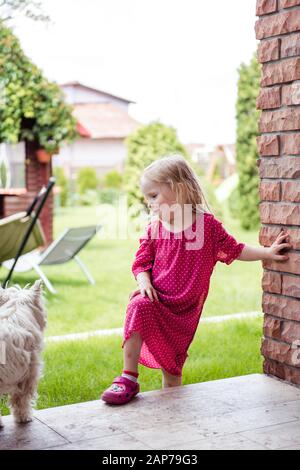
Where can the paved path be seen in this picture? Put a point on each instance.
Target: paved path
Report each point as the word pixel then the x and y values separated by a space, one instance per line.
pixel 119 331
pixel 249 412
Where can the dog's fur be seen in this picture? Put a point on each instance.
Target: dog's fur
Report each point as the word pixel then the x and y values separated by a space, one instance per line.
pixel 22 323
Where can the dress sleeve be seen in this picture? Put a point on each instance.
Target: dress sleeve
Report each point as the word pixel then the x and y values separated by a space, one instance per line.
pixel 144 256
pixel 226 247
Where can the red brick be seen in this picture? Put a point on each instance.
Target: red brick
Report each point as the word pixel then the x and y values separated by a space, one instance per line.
pixel 274 368
pixel 290 332
pixel 289 266
pixel 274 25
pixel 282 120
pixel 271 282
pixel 263 7
pixel 290 45
pixel 285 71
pixel 268 145
pixel 291 94
pixel 282 167
pixel 291 286
pixel 290 191
pixel 281 352
pixel 289 374
pixel 268 235
pixel 288 3
pixel 290 144
pixel 269 191
pixel 268 50
pixel 276 351
pixel 272 327
pixel 287 214
pixel 269 98
pixel 281 307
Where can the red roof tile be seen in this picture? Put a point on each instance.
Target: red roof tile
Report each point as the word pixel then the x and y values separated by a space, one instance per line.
pixel 103 121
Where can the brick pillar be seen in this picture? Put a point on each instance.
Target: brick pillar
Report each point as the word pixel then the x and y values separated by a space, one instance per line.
pixel 278 28
pixel 1 207
pixel 37 175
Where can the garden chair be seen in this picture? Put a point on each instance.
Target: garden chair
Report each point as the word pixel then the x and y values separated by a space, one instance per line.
pixel 62 250
pixel 22 232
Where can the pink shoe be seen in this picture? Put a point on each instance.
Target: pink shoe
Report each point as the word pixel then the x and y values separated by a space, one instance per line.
pixel 121 391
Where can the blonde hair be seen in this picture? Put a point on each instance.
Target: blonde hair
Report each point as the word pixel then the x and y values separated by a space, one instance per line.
pixel 175 171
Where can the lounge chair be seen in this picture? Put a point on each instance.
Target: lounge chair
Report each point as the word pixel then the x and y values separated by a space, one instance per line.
pixel 12 232
pixel 22 232
pixel 62 250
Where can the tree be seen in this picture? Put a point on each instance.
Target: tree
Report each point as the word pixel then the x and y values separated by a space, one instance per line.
pixel 246 146
pixel 147 144
pixel 31 107
pixel 30 8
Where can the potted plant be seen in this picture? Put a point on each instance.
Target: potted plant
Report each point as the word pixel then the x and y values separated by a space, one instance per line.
pixel 44 156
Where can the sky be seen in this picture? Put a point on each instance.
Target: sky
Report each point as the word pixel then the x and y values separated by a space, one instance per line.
pixel 177 59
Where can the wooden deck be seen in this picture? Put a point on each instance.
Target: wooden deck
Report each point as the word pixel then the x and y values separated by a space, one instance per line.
pixel 249 412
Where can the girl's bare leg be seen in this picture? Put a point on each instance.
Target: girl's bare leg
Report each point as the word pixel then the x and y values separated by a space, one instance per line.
pixel 131 352
pixel 171 380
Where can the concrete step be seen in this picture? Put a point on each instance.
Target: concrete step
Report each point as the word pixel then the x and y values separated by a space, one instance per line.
pixel 248 412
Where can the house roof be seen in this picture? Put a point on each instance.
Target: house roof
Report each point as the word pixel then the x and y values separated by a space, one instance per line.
pixel 82 85
pixel 103 121
pixel 193 146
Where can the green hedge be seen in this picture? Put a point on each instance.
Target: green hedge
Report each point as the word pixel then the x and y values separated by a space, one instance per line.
pixel 246 146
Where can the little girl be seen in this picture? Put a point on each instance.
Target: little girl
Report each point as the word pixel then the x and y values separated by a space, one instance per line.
pixel 173 274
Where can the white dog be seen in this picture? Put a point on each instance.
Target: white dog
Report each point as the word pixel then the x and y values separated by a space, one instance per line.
pixel 22 322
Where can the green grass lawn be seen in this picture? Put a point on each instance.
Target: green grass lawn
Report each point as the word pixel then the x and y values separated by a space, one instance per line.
pixel 78 371
pixel 80 307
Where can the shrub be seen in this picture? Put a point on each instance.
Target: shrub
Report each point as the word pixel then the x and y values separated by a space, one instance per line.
pixel 86 179
pixel 113 179
pixel 63 184
pixel 109 196
pixel 233 203
pixel 89 198
pixel 208 189
pixel 3 175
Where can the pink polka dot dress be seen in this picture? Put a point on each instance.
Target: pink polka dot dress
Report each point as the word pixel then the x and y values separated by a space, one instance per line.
pixel 181 265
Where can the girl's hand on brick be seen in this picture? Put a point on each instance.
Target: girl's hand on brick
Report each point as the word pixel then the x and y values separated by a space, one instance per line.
pixel 278 245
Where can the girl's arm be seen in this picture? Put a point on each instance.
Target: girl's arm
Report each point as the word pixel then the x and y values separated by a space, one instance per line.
pixel 142 265
pixel 144 278
pixel 251 253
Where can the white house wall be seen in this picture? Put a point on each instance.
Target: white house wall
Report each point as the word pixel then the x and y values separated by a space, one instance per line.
pixel 79 95
pixel 103 155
